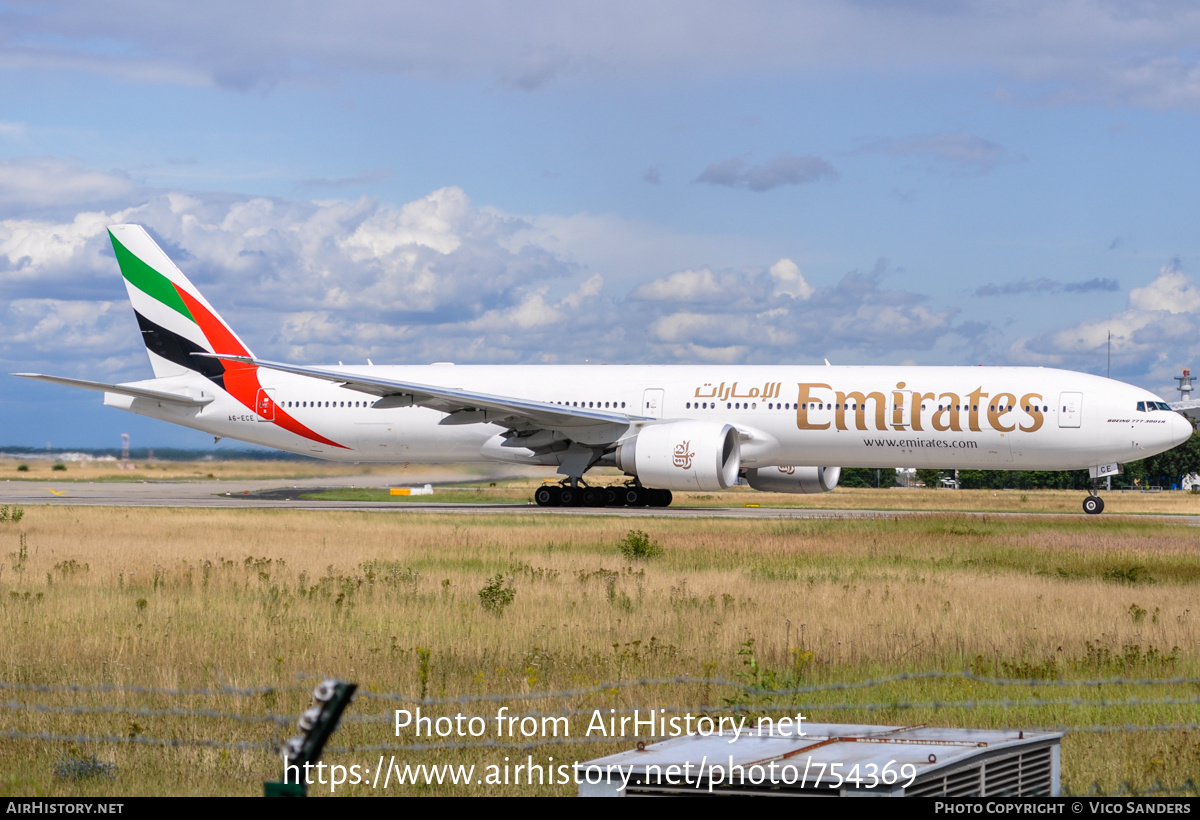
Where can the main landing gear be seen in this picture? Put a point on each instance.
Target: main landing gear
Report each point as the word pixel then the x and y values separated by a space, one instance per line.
pixel 1094 504
pixel 575 494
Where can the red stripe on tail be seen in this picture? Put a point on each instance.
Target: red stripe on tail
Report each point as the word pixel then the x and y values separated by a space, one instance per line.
pixel 241 379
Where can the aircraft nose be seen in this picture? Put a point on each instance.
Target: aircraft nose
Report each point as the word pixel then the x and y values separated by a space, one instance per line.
pixel 1181 429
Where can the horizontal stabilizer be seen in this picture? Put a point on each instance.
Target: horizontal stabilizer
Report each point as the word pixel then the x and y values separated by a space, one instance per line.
pixel 123 389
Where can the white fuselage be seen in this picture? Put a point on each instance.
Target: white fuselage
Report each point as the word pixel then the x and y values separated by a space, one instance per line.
pixel 996 418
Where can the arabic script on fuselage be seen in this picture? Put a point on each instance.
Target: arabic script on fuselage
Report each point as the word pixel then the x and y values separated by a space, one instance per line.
pixel 901 410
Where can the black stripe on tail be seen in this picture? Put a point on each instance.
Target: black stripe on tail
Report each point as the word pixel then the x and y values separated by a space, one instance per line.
pixel 175 348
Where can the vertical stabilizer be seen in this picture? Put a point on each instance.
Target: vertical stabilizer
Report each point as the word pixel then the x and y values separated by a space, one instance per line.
pixel 175 319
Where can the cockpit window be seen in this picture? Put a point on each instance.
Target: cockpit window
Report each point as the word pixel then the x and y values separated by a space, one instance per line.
pixel 1141 407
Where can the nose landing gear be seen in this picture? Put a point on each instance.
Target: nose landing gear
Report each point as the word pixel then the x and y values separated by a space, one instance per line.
pixel 1094 504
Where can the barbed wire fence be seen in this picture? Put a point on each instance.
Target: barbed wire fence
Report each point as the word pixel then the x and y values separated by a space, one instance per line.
pixel 740 698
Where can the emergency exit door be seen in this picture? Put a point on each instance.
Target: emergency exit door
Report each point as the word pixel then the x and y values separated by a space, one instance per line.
pixel 652 403
pixel 1070 409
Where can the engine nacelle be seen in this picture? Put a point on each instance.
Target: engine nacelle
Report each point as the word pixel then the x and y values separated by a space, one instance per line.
pixel 794 479
pixel 683 455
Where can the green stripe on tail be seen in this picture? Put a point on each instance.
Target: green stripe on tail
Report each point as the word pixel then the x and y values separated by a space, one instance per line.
pixel 148 280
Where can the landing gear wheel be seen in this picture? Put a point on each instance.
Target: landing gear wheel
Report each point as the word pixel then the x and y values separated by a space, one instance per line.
pixel 635 496
pixel 1093 505
pixel 614 496
pixel 659 498
pixel 546 496
pixel 592 496
pixel 570 497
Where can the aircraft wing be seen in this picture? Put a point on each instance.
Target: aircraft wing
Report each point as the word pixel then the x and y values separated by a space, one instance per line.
pixel 1190 408
pixel 464 406
pixel 123 389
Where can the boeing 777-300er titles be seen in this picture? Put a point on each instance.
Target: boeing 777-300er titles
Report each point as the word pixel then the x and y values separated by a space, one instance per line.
pixel 668 427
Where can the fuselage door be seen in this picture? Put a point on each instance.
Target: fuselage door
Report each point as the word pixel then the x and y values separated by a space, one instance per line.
pixel 652 403
pixel 264 404
pixel 1070 409
pixel 902 411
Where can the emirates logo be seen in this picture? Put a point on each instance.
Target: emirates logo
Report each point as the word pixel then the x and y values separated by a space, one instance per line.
pixel 683 456
pixel 788 470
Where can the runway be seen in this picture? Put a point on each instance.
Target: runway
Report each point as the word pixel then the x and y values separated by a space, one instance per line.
pixel 284 494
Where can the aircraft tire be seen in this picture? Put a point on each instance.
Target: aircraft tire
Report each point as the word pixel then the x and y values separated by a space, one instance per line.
pixel 571 497
pixel 658 498
pixel 1093 505
pixel 635 496
pixel 614 496
pixel 546 497
pixel 592 496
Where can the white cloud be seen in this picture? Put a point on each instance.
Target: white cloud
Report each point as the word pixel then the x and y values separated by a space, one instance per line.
pixel 789 280
pixel 771 315
pixel 429 222
pixel 1171 291
pixel 686 286
pixel 435 279
pixel 1157 333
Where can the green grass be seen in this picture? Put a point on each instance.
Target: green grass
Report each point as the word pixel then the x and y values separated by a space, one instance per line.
pixel 441 495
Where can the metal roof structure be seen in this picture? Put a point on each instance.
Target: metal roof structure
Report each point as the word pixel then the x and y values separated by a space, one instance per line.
pixel 834 760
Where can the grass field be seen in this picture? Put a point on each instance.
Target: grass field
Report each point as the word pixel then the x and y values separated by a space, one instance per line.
pixel 244 598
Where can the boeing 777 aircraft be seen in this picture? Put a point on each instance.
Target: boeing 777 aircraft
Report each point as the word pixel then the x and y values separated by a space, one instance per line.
pixel 669 427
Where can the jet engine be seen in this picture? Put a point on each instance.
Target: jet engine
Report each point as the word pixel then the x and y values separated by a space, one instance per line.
pixel 683 455
pixel 793 479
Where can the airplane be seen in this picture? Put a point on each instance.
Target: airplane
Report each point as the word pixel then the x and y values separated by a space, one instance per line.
pixel 784 428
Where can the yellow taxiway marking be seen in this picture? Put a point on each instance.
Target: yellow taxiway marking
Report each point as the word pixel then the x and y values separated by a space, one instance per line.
pixel 56 492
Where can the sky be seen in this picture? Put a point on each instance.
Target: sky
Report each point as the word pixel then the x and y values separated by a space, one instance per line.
pixel 930 182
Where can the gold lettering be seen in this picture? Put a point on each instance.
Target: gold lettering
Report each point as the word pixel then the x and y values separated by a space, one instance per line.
pixel 996 410
pixel 976 398
pixel 1035 411
pixel 803 399
pixel 939 418
pixel 918 399
pixel 860 410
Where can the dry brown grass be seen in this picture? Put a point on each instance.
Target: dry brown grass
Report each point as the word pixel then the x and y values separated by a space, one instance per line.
pixel 197 598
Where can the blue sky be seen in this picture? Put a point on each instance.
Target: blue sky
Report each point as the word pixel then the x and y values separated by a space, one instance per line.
pixel 933 182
